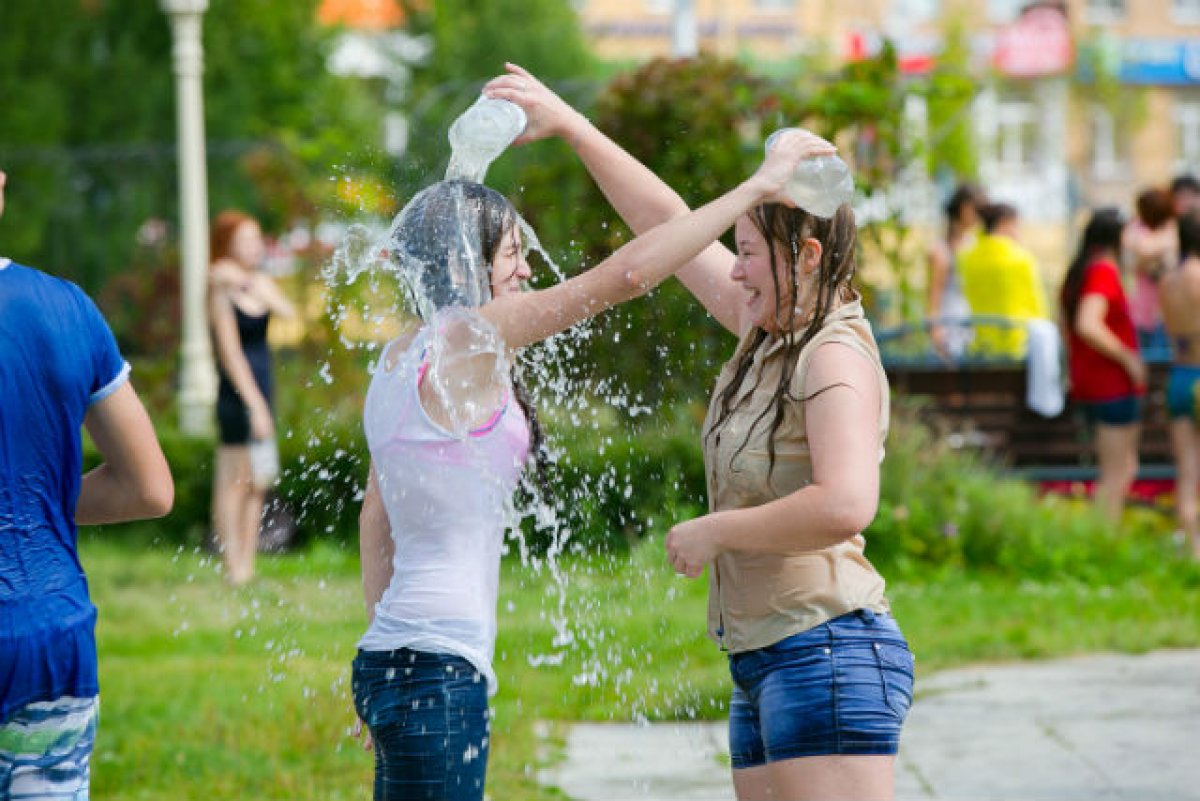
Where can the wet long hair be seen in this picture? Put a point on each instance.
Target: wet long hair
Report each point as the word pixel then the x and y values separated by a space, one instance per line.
pixel 465 223
pixel 786 229
pixel 1101 234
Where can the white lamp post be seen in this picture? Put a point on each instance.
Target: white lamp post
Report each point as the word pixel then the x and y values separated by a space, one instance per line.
pixel 198 386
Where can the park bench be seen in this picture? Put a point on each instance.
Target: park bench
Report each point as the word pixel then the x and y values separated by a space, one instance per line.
pixel 978 402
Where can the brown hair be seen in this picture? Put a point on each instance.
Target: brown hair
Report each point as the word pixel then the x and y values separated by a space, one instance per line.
pixel 220 237
pixel 1155 207
pixel 993 214
pixel 785 229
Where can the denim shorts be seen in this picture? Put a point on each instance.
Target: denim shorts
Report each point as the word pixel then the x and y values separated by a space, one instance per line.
pixel 1123 411
pixel 843 687
pixel 46 750
pixel 428 717
pixel 1183 389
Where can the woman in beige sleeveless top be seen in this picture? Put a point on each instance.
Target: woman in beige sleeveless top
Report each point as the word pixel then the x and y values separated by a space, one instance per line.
pixel 793 439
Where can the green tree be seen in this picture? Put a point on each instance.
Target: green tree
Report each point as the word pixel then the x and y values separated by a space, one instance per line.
pixel 470 43
pixel 89 133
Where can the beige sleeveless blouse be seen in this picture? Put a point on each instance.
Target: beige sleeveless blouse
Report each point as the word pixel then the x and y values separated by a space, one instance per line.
pixel 756 600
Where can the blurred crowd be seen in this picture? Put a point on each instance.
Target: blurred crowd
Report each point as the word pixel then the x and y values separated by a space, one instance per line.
pixel 1130 295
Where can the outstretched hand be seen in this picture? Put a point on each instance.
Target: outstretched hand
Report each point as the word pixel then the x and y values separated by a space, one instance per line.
pixel 788 150
pixel 548 114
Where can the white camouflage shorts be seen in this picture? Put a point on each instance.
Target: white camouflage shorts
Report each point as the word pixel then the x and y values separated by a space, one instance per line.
pixel 46 750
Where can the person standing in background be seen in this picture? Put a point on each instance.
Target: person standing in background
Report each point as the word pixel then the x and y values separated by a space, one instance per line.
pixel 1185 194
pixel 947 304
pixel 1180 294
pixel 59 370
pixel 1108 376
pixel 1000 278
pixel 1151 245
pixel 241 300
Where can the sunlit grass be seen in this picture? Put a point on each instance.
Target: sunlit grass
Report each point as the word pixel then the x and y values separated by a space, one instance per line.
pixel 215 693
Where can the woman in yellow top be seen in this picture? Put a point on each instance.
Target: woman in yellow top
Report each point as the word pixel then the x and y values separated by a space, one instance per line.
pixel 793 440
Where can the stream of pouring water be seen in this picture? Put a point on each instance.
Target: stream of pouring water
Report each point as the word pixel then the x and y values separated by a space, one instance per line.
pixel 552 372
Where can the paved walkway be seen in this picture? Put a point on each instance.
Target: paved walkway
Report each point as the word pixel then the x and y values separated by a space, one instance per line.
pixel 1080 729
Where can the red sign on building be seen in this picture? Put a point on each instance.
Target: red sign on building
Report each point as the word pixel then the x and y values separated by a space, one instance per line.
pixel 1036 45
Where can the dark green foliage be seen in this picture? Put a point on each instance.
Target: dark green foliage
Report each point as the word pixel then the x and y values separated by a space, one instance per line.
pixel 89 132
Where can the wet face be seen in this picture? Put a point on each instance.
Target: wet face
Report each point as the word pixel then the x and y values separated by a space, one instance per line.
pixel 247 247
pixel 509 268
pixel 752 270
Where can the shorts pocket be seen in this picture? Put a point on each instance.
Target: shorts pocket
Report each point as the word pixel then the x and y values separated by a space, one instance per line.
pixel 896 675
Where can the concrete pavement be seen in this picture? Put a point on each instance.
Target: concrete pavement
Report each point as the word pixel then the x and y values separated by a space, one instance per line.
pixel 1095 727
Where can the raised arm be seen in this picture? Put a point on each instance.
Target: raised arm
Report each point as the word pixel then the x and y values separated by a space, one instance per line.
pixel 641 198
pixel 640 265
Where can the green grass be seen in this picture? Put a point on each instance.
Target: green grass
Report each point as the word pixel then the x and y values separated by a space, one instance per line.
pixel 213 693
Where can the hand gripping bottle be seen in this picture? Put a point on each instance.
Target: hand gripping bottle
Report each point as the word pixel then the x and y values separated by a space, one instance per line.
pixel 819 185
pixel 480 134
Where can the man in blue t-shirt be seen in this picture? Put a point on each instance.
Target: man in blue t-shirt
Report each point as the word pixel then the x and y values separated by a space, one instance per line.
pixel 59 370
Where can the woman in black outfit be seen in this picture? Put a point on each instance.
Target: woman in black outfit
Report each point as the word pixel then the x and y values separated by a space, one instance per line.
pixel 241 300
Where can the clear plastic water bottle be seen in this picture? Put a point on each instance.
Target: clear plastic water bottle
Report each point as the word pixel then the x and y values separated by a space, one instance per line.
pixel 480 134
pixel 818 185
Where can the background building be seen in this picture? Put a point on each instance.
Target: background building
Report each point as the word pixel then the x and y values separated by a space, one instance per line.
pixel 1080 102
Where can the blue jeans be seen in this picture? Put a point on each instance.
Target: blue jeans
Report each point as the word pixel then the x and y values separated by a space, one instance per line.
pixel 428 717
pixel 843 687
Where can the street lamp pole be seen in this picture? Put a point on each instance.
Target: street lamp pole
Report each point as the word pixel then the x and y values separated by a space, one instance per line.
pixel 197 385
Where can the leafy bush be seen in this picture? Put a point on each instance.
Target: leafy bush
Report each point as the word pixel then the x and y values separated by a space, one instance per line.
pixel 612 482
pixel 949 508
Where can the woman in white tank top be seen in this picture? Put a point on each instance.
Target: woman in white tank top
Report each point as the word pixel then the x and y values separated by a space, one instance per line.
pixel 449 435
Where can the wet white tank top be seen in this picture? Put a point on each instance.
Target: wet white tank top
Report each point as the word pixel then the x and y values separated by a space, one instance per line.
pixel 448 499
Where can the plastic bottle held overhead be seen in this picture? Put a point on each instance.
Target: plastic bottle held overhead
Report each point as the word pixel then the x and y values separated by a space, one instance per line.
pixel 818 185
pixel 481 133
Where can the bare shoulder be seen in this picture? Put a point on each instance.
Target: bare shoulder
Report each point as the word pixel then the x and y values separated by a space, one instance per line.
pixel 226 275
pixel 835 364
pixel 402 342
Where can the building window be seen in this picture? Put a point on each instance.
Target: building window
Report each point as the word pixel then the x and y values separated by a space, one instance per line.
pixel 1185 12
pixel 1187 124
pixel 1107 160
pixel 1004 11
pixel 659 6
pixel 1103 11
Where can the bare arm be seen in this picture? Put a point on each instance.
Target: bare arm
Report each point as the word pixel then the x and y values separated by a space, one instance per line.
pixel 134 481
pixel 233 359
pixel 843 437
pixel 375 545
pixel 1090 326
pixel 644 263
pixel 939 272
pixel 641 198
pixel 268 291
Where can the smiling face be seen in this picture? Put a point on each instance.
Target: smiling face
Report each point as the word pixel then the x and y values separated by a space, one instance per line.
pixel 509 267
pixel 771 300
